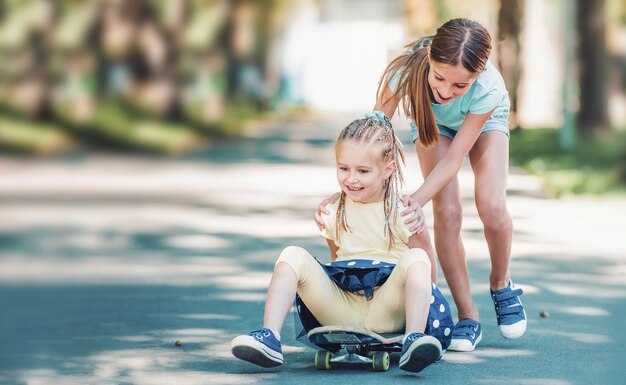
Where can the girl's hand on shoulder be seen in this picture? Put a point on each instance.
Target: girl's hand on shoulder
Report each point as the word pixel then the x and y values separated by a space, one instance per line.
pixel 416 217
pixel 322 210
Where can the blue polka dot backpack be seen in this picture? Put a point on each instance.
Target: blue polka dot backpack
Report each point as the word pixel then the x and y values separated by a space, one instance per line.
pixel 361 277
pixel 440 323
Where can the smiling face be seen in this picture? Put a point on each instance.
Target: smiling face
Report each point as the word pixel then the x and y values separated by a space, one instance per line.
pixel 448 82
pixel 361 171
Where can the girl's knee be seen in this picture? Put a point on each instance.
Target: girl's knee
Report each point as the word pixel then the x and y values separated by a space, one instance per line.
pixel 492 212
pixel 296 257
pixel 449 217
pixel 293 253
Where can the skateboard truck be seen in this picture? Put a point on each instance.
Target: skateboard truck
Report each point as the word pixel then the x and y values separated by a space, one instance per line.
pixel 352 346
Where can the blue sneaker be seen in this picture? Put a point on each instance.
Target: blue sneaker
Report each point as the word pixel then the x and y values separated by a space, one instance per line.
pixel 466 335
pixel 419 351
pixel 510 311
pixel 258 347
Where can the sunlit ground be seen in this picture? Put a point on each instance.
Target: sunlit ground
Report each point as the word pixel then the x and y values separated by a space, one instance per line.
pixel 106 262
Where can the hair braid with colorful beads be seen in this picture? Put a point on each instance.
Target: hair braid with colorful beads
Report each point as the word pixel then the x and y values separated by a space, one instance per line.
pixel 374 131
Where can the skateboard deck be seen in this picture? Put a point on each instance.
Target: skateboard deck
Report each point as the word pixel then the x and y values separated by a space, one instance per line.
pixel 345 345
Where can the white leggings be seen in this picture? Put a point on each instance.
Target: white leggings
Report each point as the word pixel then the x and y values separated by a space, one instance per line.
pixel 333 306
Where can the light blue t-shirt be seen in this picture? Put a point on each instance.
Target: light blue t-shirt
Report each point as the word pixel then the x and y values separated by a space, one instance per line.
pixel 488 92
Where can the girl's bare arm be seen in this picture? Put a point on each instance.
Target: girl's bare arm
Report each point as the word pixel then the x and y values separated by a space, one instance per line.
pixel 449 166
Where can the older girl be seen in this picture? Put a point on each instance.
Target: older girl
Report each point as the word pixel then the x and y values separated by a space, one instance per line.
pixel 458 106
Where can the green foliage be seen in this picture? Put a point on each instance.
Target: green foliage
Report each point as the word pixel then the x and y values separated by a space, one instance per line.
pixel 118 124
pixel 112 123
pixel 596 166
pixel 233 121
pixel 32 137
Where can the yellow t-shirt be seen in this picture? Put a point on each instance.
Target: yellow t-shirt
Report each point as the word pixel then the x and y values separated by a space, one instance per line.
pixel 366 240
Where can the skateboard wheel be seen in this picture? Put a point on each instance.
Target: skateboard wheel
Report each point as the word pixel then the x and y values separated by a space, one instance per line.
pixel 322 360
pixel 380 361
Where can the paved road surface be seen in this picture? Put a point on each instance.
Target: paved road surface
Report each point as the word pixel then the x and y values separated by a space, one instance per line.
pixel 107 260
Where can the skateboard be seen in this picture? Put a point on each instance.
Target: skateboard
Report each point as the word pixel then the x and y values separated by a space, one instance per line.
pixel 345 345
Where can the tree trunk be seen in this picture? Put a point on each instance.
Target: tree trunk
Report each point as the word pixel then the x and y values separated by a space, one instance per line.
pixel 420 16
pixel 510 20
pixel 593 115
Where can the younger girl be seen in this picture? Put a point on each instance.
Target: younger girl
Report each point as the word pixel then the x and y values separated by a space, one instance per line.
pixel 363 229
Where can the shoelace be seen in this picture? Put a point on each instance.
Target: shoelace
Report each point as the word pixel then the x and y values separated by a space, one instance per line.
pixel 507 304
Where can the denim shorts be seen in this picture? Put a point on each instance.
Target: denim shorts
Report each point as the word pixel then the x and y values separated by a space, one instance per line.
pixel 498 121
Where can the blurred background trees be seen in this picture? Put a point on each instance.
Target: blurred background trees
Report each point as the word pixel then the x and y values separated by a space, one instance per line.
pixel 510 22
pixel 170 75
pixel 594 60
pixel 151 74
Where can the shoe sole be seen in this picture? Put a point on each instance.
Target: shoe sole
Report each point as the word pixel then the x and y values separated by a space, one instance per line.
pixel 253 356
pixel 421 356
pixel 511 335
pixel 257 354
pixel 465 348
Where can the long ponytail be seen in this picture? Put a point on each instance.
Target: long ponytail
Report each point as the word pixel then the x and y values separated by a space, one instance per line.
pixel 410 70
pixel 458 41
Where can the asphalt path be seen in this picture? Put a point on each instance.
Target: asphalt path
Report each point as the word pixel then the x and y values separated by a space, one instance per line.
pixel 108 260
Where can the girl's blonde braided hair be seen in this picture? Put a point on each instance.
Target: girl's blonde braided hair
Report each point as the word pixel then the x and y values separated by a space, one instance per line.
pixel 376 131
